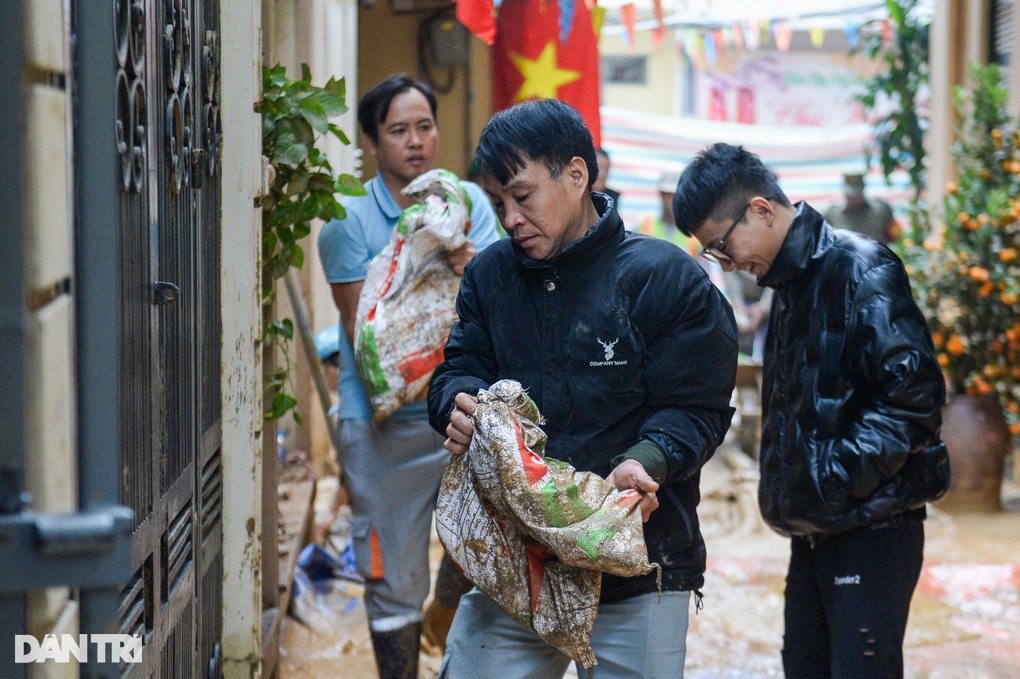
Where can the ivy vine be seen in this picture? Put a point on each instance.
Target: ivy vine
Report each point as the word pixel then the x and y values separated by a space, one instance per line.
pixel 295 115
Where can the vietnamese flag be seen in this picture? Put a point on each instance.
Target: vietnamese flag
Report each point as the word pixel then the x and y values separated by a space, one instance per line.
pixel 547 50
pixel 478 16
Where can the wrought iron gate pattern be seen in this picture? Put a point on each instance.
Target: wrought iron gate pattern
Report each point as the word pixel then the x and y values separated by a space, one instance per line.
pixel 168 135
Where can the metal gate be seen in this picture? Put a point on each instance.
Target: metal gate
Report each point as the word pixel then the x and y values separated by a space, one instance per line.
pixel 144 87
pixel 168 138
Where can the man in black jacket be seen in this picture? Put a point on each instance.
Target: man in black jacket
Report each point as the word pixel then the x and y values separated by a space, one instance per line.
pixel 628 350
pixel 852 399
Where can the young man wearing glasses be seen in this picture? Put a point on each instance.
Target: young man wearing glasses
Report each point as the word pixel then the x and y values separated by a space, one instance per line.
pixel 851 407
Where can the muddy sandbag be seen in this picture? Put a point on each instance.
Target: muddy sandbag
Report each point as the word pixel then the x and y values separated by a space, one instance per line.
pixel 531 532
pixel 407 303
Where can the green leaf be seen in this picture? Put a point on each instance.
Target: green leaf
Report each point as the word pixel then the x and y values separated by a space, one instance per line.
pixel 310 207
pixel 290 153
pixel 320 183
pixel 277 377
pixel 286 235
pixel 297 184
pixel 297 257
pixel 330 105
pixel 269 240
pixel 349 185
pixel 896 12
pixel 275 76
pixel 315 113
pixel 279 267
pixel 339 134
pixel 338 88
pixel 281 404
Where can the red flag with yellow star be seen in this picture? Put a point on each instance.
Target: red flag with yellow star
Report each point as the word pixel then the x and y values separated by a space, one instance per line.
pixel 477 16
pixel 547 49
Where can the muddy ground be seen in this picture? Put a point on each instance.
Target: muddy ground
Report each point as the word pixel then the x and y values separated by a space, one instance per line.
pixel 965 615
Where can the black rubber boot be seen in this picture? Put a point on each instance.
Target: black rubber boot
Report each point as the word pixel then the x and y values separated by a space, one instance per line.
pixel 451 583
pixel 396 652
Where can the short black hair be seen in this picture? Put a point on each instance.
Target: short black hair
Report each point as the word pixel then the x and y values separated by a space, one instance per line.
pixel 375 104
pixel 541 130
pixel 718 183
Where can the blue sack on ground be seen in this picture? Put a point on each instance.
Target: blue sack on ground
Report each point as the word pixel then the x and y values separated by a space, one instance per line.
pixel 321 566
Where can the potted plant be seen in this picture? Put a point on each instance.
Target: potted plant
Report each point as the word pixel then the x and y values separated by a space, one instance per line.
pixel 968 272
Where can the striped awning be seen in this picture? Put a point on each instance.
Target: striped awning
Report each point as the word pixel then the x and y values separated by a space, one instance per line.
pixel 809 161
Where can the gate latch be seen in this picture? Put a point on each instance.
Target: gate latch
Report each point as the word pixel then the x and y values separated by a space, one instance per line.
pixel 89 549
pixel 164 293
pixel 198 165
pixel 82 534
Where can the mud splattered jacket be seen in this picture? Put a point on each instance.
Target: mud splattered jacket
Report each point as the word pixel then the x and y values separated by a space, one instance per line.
pixel 852 393
pixel 621 338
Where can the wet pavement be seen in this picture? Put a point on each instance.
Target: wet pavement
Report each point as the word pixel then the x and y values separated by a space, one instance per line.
pixel 964 616
pixel 964 620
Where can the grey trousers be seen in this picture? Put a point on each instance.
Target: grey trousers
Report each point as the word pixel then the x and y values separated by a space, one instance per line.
pixel 637 638
pixel 392 472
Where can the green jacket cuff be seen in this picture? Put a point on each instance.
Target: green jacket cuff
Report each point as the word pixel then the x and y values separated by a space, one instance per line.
pixel 651 457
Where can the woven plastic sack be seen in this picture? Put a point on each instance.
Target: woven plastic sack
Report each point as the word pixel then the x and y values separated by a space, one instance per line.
pixel 531 532
pixel 406 308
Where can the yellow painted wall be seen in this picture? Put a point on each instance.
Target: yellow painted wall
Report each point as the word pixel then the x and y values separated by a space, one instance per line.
pixel 658 96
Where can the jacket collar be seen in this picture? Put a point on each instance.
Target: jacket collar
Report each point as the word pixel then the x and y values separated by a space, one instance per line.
pixel 807 240
pixel 605 232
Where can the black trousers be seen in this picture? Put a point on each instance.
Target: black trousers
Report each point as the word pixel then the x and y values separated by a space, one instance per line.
pixel 847 603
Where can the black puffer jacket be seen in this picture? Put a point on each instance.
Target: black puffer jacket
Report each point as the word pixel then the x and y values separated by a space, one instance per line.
pixel 621 338
pixel 852 392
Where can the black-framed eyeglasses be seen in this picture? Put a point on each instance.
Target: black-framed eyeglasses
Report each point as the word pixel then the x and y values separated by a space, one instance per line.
pixel 715 251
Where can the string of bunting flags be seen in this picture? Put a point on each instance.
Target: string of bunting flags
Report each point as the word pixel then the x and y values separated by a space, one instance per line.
pixel 550 48
pixel 707 42
pixel 751 24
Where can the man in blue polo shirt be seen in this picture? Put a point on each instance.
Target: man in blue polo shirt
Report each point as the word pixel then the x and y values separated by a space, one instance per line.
pixel 392 469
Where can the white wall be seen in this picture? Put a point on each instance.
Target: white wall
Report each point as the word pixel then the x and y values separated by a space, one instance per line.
pixel 241 381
